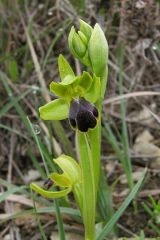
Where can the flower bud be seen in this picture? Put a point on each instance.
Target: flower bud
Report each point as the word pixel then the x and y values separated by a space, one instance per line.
pixel 83 37
pixel 76 44
pixel 98 51
pixel 86 29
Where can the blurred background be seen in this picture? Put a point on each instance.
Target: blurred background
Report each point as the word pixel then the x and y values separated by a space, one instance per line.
pixel 32 35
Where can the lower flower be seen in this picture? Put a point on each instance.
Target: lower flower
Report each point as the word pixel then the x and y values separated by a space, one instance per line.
pixel 68 181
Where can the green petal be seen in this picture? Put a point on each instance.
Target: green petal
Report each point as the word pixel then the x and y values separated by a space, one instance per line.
pixel 70 167
pixel 64 67
pixel 58 89
pixel 85 81
pixel 68 80
pixel 60 180
pixel 50 194
pixel 56 110
pixel 94 92
pixel 64 88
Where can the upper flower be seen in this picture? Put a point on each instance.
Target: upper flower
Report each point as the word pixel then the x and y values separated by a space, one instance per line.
pixel 76 97
pixel 83 115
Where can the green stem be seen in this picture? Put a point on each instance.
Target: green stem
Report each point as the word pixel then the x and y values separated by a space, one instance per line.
pixel 95 142
pixel 95 134
pixel 88 185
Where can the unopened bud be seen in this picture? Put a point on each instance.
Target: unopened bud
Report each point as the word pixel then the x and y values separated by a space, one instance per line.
pixel 98 51
pixel 76 45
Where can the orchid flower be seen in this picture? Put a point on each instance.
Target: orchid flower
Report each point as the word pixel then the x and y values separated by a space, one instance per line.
pixel 69 180
pixel 76 97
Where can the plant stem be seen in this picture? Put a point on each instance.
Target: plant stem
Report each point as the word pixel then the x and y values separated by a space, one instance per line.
pixel 95 134
pixel 95 143
pixel 88 185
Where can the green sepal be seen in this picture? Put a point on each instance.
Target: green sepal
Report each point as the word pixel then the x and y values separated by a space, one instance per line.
pixel 70 168
pixel 98 51
pixel 55 110
pixel 70 40
pixel 94 92
pixel 60 180
pixel 64 67
pixel 86 29
pixel 50 194
pixel 85 60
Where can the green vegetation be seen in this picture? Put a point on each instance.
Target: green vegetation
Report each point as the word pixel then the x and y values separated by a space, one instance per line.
pixel 71 174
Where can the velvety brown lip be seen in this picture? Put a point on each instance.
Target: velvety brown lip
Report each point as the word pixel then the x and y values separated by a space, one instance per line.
pixel 83 115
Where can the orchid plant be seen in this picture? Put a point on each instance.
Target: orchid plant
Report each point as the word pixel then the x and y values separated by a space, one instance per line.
pixel 80 100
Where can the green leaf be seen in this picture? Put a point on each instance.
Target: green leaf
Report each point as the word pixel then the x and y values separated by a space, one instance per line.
pixel 70 168
pixel 108 227
pixel 94 91
pixel 55 110
pixel 98 51
pixel 64 67
pixel 50 194
pixel 13 70
pixel 60 180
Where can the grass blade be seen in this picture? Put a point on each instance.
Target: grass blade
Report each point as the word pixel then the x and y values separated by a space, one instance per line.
pixel 108 227
pixel 104 201
pixel 10 104
pixel 44 210
pixel 127 160
pixel 11 191
pixel 58 214
pixel 37 218
pixel 59 221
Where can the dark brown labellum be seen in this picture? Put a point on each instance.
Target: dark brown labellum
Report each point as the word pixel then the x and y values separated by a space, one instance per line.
pixel 48 183
pixel 83 115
